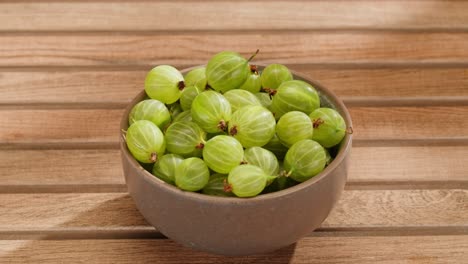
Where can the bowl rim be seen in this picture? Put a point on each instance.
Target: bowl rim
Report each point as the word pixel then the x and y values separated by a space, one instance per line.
pixel 340 157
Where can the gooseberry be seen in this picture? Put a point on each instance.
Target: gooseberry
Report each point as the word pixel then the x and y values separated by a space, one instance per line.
pixel 152 110
pixel 211 111
pixel 274 75
pixel 329 126
pixel 164 83
pixel 192 174
pixel 304 160
pixel 294 96
pixel 252 126
pixel 145 141
pixel 292 127
pixel 165 167
pixel 185 138
pixel 239 98
pixel 223 153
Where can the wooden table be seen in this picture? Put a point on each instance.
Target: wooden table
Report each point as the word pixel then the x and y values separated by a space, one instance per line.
pixel 68 68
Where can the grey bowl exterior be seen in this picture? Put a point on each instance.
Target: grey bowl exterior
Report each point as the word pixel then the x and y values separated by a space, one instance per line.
pixel 236 226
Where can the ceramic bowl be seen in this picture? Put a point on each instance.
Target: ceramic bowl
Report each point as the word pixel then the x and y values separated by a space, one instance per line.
pixel 239 226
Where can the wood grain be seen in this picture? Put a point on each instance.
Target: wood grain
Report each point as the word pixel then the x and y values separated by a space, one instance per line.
pixel 410 249
pixel 32 126
pixel 120 86
pixel 357 209
pixel 436 165
pixel 440 164
pixel 60 167
pixel 382 123
pixel 194 48
pixel 211 15
pixel 102 125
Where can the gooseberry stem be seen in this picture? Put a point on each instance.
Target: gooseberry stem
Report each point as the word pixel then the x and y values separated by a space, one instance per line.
pixel 348 130
pixel 286 174
pixel 317 122
pixel 253 55
pixel 200 146
pixel 222 125
pixel 154 157
pixel 181 85
pixel 227 187
pixel 233 131
pixel 254 69
pixel 270 91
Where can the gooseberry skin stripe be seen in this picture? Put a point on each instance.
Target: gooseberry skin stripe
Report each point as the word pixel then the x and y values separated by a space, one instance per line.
pixel 192 174
pixel 262 158
pixel 182 138
pixel 187 96
pixel 253 83
pixel 226 71
pixel 304 160
pixel 162 83
pixel 332 130
pixel 144 139
pixel 292 127
pixel 294 96
pixel 239 98
pixel 247 180
pixel 165 167
pixel 253 126
pixel 196 77
pixel 185 116
pixel 264 99
pixel 223 153
pixel 274 75
pixel 151 110
pixel 208 109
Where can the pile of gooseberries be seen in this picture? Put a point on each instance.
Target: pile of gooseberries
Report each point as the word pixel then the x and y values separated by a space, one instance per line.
pixel 229 129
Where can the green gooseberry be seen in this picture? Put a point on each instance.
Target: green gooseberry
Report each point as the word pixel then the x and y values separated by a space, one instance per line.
pixel 227 70
pixel 304 160
pixel 274 75
pixel 165 167
pixel 151 110
pixel 164 83
pixel 192 174
pixel 145 141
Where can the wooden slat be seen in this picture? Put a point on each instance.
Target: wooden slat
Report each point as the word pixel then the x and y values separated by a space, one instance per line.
pixel 356 209
pixel 32 126
pixel 382 123
pixel 213 15
pixel 195 48
pixel 102 125
pixel 60 167
pixel 334 249
pixel 70 87
pixel 438 165
pixel 397 83
pixel 120 86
